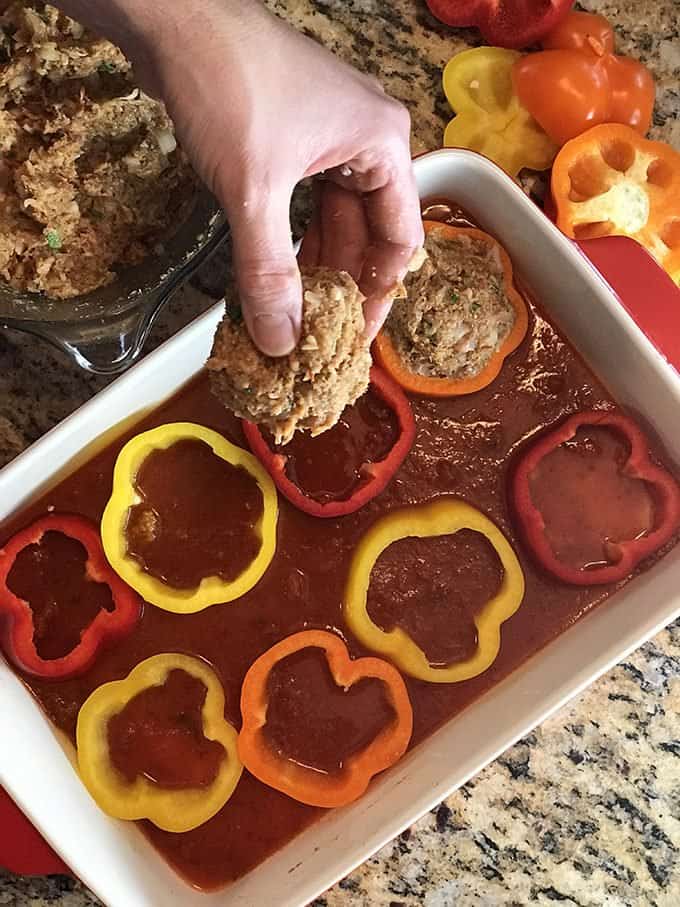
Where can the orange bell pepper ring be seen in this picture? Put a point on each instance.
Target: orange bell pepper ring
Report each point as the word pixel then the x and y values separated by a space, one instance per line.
pixel 301 782
pixel 387 355
pixel 612 182
pixel 578 81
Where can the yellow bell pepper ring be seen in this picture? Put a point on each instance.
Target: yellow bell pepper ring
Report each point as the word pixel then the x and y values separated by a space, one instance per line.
pixel 174 810
pixel 490 119
pixel 442 517
pixel 212 589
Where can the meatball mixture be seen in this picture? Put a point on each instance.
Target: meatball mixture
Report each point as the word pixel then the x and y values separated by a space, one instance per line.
pixel 90 174
pixel 456 314
pixel 308 389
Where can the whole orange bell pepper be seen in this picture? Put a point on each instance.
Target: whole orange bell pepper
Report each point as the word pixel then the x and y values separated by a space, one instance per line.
pixel 612 182
pixel 388 357
pixel 578 81
pixel 301 782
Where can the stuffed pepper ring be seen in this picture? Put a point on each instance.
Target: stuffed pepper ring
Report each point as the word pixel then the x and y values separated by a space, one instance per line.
pixel 463 316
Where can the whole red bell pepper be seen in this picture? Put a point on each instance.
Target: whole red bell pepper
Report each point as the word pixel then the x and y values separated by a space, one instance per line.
pixel 503 23
pixel 16 617
pixel 638 465
pixel 375 476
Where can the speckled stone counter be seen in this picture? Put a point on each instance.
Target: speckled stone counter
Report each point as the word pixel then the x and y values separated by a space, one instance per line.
pixel 584 811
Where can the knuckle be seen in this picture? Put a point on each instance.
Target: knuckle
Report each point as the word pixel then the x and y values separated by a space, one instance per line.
pixel 266 282
pixel 375 83
pixel 254 178
pixel 266 272
pixel 400 118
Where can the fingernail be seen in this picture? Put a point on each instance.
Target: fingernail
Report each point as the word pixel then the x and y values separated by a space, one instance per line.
pixel 274 334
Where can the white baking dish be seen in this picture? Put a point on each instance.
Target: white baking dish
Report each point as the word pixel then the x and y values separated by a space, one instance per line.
pixel 113 858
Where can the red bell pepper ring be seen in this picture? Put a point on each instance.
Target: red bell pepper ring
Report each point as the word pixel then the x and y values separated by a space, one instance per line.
pixel 376 475
pixel 631 552
pixel 503 23
pixel 16 618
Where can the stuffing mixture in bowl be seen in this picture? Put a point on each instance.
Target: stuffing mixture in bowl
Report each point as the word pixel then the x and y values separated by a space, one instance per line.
pixel 91 177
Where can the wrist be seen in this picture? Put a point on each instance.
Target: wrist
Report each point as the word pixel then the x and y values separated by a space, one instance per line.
pixel 132 24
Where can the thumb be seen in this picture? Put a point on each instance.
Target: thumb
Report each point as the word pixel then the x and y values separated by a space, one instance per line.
pixel 267 274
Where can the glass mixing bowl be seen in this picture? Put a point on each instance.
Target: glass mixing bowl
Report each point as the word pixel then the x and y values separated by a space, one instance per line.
pixel 104 331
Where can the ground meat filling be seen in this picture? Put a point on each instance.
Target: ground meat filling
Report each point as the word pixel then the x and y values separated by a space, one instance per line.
pixel 457 313
pixel 310 388
pixel 90 173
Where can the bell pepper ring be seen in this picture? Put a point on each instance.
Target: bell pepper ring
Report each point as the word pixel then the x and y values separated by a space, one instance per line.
pixel 612 182
pixel 638 466
pixel 300 782
pixel 489 117
pixel 505 23
pixel 212 589
pixel 445 516
pixel 16 616
pixel 579 82
pixel 388 357
pixel 174 810
pixel 376 476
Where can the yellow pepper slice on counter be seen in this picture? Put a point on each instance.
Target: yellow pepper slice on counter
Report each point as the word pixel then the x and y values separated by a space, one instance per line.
pixel 176 809
pixel 212 589
pixel 442 517
pixel 489 117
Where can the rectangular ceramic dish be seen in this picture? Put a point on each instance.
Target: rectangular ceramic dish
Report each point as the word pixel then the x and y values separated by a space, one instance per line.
pixel 113 858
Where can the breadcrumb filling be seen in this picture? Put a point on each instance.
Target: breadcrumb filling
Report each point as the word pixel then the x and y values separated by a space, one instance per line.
pixel 309 389
pixel 91 177
pixel 456 314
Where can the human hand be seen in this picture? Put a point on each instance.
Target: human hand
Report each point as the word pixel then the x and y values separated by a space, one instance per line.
pixel 258 107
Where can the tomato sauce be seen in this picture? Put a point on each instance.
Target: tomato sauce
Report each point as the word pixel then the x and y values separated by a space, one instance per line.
pixel 194 500
pixel 329 467
pixel 312 721
pixel 433 588
pixel 442 210
pixel 158 735
pixel 598 505
pixel 465 446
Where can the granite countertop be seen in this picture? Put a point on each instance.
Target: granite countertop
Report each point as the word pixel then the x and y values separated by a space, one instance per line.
pixel 585 810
